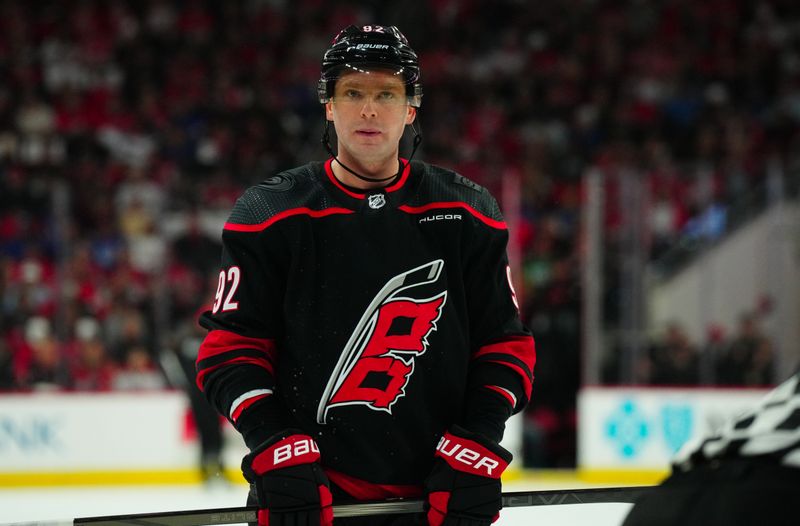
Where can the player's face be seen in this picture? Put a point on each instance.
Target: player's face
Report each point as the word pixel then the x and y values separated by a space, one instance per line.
pixel 369 111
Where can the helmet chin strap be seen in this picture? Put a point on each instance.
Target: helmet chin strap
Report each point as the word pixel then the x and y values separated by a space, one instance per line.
pixel 326 142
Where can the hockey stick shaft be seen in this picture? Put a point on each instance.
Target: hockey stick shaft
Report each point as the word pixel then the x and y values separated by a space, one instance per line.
pixel 389 507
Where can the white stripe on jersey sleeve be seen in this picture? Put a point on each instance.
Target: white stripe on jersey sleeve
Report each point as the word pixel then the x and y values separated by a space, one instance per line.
pixel 245 397
pixel 509 393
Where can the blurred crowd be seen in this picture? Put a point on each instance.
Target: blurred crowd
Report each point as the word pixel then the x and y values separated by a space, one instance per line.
pixel 128 128
pixel 744 357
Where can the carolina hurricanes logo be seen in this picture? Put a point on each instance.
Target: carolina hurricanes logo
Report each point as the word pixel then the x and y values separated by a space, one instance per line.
pixel 378 360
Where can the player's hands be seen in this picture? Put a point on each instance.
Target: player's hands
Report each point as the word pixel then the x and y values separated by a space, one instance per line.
pixel 291 487
pixel 464 486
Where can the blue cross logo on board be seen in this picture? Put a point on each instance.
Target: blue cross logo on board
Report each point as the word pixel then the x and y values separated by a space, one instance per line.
pixel 676 421
pixel 627 428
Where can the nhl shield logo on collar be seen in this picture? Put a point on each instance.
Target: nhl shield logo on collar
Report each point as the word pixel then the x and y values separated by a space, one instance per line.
pixel 376 201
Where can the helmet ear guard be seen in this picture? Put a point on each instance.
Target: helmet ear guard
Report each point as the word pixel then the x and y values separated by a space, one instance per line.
pixel 322 91
pixel 367 47
pixel 415 97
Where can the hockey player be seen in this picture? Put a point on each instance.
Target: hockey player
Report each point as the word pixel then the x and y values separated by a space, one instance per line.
pixel 747 474
pixel 365 338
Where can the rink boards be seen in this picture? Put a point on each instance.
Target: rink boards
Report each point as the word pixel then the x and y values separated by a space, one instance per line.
pixel 115 438
pixel 630 431
pixel 625 435
pixel 77 438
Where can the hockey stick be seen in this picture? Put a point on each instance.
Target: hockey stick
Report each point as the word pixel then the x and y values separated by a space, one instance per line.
pixel 248 514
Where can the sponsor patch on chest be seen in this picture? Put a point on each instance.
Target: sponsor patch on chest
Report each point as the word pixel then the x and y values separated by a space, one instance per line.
pixel 440 217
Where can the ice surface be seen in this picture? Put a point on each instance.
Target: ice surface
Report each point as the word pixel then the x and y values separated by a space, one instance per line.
pixel 59 504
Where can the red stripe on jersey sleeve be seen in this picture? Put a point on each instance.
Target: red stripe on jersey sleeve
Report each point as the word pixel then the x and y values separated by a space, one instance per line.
pixel 236 227
pixel 247 403
pixel 523 349
pixel 219 342
pixel 239 360
pixel 494 223
pixel 504 393
pixel 527 383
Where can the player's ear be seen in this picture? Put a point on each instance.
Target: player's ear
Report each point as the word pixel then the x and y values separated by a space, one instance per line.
pixel 411 115
pixel 329 111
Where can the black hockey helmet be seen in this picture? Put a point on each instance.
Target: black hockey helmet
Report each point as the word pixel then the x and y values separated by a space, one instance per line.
pixel 359 48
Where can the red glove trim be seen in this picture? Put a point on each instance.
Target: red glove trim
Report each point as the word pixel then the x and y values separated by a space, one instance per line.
pixel 438 509
pixel 468 456
pixel 290 451
pixel 326 505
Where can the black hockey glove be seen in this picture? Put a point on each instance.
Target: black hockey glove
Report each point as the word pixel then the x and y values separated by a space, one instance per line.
pixel 464 486
pixel 291 487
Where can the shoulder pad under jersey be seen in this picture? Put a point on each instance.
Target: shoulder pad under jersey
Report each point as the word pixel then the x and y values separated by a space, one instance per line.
pixel 444 185
pixel 286 191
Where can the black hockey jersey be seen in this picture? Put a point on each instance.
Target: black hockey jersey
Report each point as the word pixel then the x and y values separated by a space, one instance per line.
pixel 371 316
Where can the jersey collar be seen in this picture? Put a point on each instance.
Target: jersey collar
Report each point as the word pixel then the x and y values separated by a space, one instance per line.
pixel 397 185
